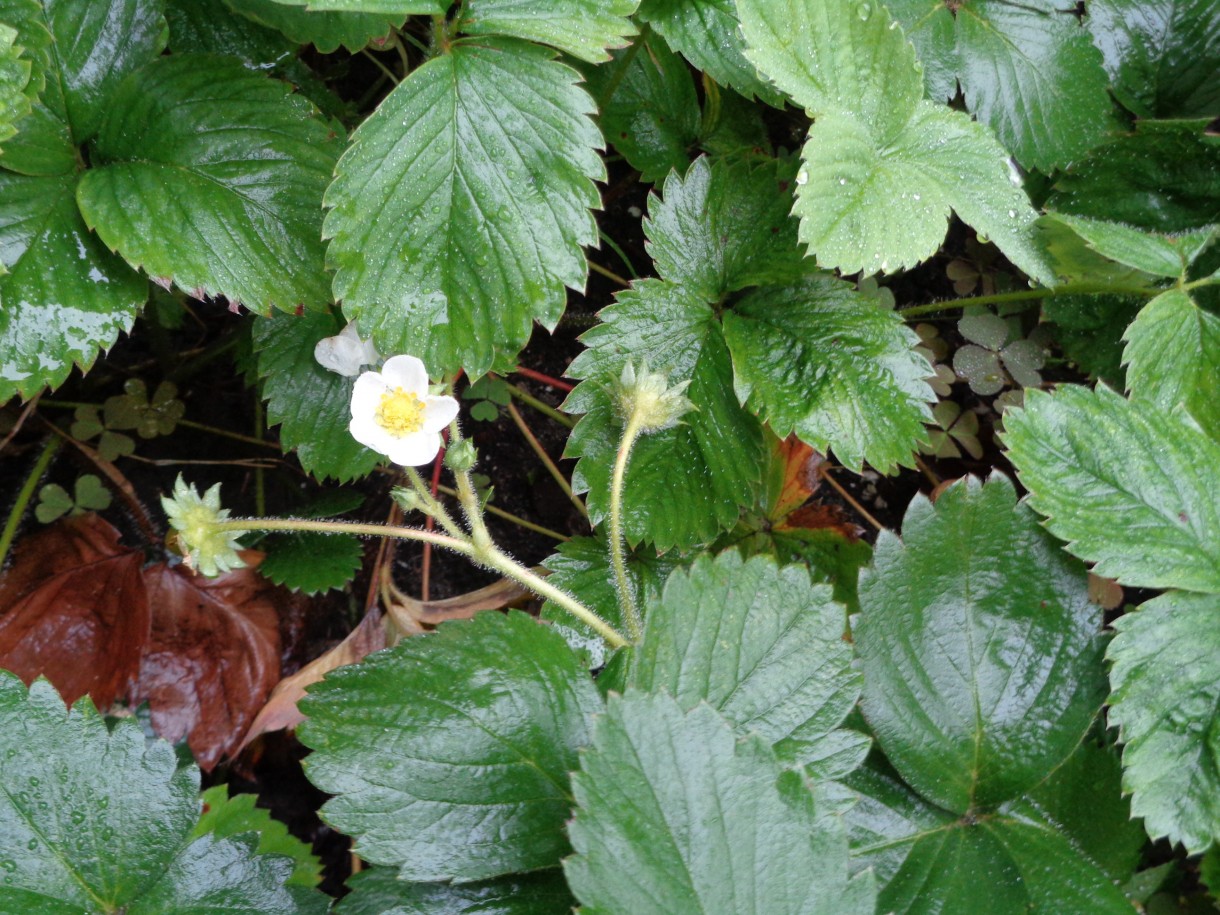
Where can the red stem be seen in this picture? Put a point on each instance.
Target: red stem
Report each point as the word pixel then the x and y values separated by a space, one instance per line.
pixel 545 379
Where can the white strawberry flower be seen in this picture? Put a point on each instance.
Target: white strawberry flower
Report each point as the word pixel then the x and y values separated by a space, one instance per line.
pixel 346 352
pixel 393 413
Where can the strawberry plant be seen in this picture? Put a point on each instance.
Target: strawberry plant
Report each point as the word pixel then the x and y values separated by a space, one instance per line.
pixel 744 629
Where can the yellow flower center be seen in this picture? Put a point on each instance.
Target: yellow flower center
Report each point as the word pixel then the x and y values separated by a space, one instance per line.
pixel 400 413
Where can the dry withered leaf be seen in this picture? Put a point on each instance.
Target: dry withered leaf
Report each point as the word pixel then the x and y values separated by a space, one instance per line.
pixel 212 657
pixel 824 517
pixel 74 608
pixel 800 480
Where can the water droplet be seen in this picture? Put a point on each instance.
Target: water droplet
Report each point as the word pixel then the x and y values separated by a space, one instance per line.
pixel 864 10
pixel 1012 214
pixel 802 177
pixel 32 845
pixel 842 181
pixel 34 783
pixel 8 864
pixel 77 817
pixel 104 803
pixel 915 196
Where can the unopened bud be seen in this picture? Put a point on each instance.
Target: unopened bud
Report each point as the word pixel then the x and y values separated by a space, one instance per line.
pixel 461 456
pixel 651 400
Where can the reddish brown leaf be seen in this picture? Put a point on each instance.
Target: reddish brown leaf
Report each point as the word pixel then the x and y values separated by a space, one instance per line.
pixel 799 479
pixel 212 658
pixel 75 610
pixel 824 517
pixel 281 709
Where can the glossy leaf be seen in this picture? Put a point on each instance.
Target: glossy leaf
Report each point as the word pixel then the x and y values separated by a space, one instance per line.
pixel 759 643
pixel 1163 56
pixel 212 176
pixel 311 562
pixel 378 891
pixel 460 209
pixel 1033 75
pixel 932 30
pixel 326 31
pixel 820 360
pixel 1166 680
pixel 448 755
pixel 931 862
pixel 1160 255
pixel 1090 330
pixel 100 818
pixel 1172 356
pixel 14 83
pixel 311 405
pixel 229 816
pixel 980 650
pixel 65 297
pixel 582 28
pixel 1128 488
pixel 685 484
pixel 675 816
pixel 708 35
pixel 882 168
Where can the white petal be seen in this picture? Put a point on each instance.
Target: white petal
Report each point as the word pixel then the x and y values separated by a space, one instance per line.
pixel 339 354
pixel 406 372
pixel 416 449
pixel 367 432
pixel 439 411
pixel 367 394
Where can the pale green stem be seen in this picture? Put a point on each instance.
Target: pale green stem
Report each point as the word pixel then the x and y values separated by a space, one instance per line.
pixel 433 506
pixel 618 543
pixel 511 518
pixel 1024 295
pixel 556 474
pixel 468 496
pixel 544 408
pixel 24 496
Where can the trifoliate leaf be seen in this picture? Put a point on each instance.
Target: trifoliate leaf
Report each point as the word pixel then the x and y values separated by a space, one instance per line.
pixel 930 27
pixel 979 647
pixel 1163 56
pixel 378 891
pixel 1033 75
pixel 449 754
pixel 98 819
pixel 212 175
pixel 820 360
pixel 1173 357
pixel 311 405
pixel 14 83
pixel 229 816
pixel 675 816
pixel 1160 255
pixel 931 861
pixel 686 484
pixel 326 31
pixel 707 34
pixel 725 226
pixel 759 643
pixel 1128 487
pixel 53 501
pixel 64 297
pixel 311 562
pixel 1166 679
pixel 460 210
pixel 583 28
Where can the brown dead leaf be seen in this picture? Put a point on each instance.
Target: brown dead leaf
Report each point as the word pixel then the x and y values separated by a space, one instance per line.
pixel 824 517
pixel 75 610
pixel 799 480
pixel 495 596
pixel 281 712
pixel 212 658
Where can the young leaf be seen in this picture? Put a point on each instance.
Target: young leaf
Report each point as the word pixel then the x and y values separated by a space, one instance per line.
pixel 583 28
pixel 1160 255
pixel 1172 355
pixel 979 647
pixel 311 405
pixel 98 818
pixel 212 175
pixel 820 360
pixel 378 891
pixel 459 211
pixel 1128 488
pixel 14 83
pixel 311 562
pixel 675 816
pixel 1166 680
pixel 759 643
pixel 449 754
pixel 229 816
pixel 326 31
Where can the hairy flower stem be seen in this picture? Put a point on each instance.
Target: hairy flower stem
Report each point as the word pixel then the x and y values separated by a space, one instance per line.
pixel 24 496
pixel 1029 295
pixel 618 543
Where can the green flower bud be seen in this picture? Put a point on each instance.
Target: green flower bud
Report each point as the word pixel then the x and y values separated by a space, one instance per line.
pixel 461 457
pixel 207 550
pixel 649 398
pixel 406 497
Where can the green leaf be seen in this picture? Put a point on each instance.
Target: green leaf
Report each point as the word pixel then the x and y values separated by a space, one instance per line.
pixel 652 115
pixel 707 33
pixel 1164 177
pixel 675 816
pixel 326 31
pixel 1033 75
pixel 96 819
pixel 378 891
pixel 449 754
pixel 1160 255
pixel 931 862
pixel 14 83
pixel 311 562
pixel 53 501
pixel 65 297
pixel 460 209
pixel 1089 328
pixel 1166 680
pixel 761 644
pixel 91 494
pixel 1172 354
pixel 1128 488
pixel 311 405
pixel 931 28
pixel 1163 56
pixel 212 175
pixel 979 647
pixel 820 360
pixel 725 226
pixel 686 484
pixel 229 816
pixel 583 28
